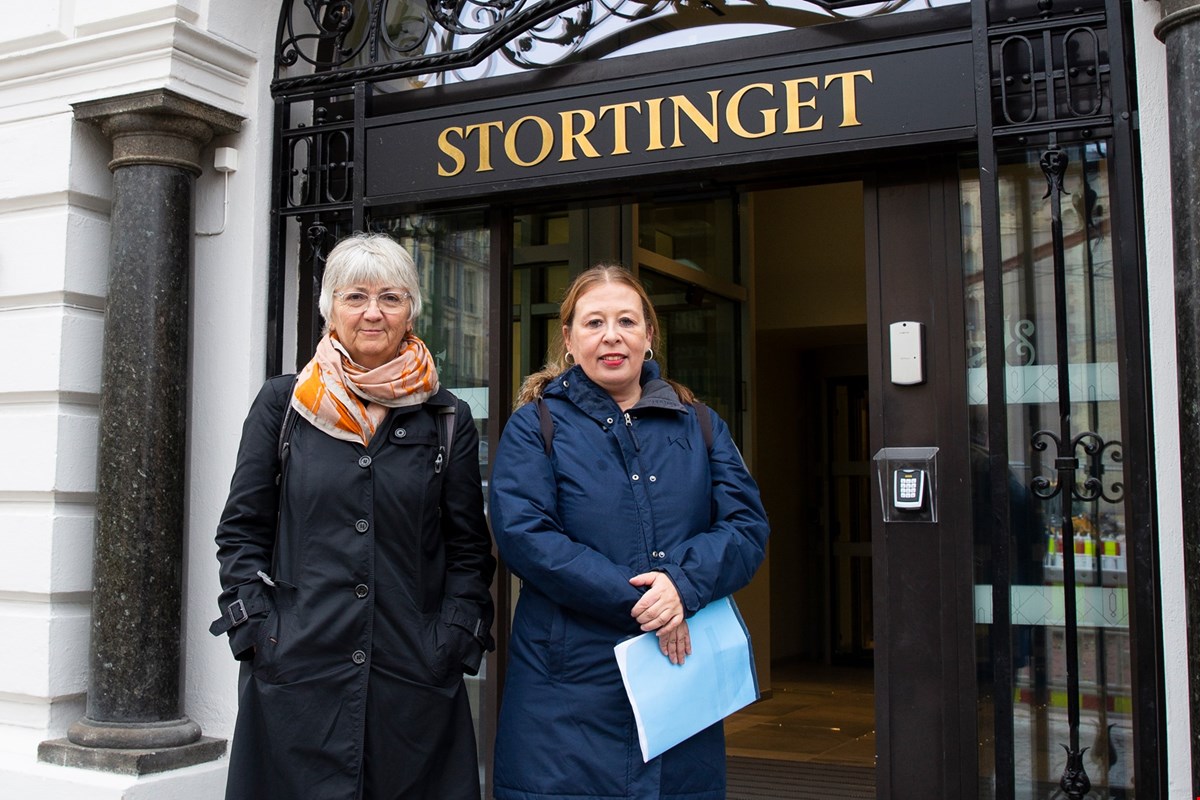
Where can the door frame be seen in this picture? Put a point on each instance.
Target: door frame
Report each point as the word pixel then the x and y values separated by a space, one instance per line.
pixel 924 645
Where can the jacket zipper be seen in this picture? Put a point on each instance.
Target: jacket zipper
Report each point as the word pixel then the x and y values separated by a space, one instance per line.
pixel 632 435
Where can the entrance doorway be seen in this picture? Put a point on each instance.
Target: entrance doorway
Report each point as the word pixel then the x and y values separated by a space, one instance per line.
pixel 763 299
pixel 814 730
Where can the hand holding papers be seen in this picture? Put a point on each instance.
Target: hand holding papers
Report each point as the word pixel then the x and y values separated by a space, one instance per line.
pixel 673 702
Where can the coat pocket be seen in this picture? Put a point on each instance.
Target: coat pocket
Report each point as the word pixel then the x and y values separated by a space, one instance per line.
pixel 443 650
pixel 271 640
pixel 557 655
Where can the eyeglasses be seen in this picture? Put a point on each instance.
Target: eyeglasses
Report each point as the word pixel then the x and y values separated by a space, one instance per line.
pixel 389 302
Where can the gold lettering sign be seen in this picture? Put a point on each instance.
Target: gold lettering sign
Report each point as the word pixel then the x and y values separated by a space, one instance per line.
pixel 609 130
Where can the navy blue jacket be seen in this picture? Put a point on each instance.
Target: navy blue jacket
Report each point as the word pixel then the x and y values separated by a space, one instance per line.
pixel 618 496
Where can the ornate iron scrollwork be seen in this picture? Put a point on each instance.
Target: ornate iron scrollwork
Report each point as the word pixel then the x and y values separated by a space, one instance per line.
pixel 1054 73
pixel 331 23
pixel 1067 464
pixel 374 40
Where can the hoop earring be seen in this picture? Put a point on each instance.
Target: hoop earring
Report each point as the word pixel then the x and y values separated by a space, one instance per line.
pixel 650 354
pixel 569 358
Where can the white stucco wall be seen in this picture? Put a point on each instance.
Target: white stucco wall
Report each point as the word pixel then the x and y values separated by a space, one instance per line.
pixel 1156 182
pixel 55 199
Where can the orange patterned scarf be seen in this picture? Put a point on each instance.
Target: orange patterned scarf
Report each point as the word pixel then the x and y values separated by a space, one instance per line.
pixel 348 401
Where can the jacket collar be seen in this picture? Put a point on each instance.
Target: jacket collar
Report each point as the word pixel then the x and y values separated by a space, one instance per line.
pixel 442 398
pixel 576 386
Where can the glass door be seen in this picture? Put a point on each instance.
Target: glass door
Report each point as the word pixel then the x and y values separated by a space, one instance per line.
pixel 1031 561
pixel 686 257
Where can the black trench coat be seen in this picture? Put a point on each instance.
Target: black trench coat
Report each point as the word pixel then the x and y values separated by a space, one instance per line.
pixel 351 683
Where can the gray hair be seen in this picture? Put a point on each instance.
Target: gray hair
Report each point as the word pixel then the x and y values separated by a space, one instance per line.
pixel 368 258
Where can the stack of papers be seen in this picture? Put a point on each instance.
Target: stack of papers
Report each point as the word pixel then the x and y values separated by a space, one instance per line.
pixel 672 702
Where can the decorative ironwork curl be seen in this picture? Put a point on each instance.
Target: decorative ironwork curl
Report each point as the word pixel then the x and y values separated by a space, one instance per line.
pixel 1066 464
pixel 331 21
pixel 1093 488
pixel 1042 486
pixel 1054 166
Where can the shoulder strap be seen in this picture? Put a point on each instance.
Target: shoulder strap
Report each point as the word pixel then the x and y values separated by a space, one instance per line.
pixel 290 415
pixel 705 420
pixel 547 425
pixel 446 417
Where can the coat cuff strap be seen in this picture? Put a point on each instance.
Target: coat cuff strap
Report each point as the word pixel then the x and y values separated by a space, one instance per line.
pixel 238 612
pixel 472 624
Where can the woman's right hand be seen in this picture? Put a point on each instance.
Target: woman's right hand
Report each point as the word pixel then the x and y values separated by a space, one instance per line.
pixel 660 608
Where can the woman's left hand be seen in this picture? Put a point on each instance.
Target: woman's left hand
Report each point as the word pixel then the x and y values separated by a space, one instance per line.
pixel 660 608
pixel 676 645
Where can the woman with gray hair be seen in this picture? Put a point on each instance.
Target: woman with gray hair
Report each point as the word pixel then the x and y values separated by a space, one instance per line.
pixel 355 559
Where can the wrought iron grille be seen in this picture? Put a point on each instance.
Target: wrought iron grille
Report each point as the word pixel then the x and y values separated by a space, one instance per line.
pixel 1056 77
pixel 335 43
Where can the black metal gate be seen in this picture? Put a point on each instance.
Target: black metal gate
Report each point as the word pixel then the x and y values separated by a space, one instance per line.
pixel 1050 77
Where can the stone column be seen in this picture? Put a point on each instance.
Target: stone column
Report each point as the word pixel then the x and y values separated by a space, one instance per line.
pixel 1179 30
pixel 133 723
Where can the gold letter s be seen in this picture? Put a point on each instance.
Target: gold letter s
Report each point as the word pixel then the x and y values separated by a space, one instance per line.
pixel 456 155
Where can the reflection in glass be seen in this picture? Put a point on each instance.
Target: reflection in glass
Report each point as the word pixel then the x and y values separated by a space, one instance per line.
pixel 700 337
pixel 1035 537
pixel 698 234
pixel 452 252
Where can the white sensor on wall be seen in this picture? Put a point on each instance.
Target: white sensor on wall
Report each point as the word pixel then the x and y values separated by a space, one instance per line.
pixel 225 162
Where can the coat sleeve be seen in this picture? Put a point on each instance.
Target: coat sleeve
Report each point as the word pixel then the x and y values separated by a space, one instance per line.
pixel 246 533
pixel 531 537
pixel 470 566
pixel 722 559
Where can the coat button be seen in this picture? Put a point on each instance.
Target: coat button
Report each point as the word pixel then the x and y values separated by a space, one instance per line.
pixel 400 433
pixel 653 478
pixel 635 476
pixel 361 590
pixel 364 462
pixel 358 657
pixel 362 526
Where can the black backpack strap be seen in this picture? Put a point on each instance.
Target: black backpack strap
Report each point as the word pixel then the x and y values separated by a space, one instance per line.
pixel 446 417
pixel 705 420
pixel 290 416
pixel 547 424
